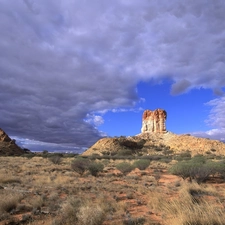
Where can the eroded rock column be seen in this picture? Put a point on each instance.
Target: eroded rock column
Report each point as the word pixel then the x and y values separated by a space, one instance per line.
pixel 154 121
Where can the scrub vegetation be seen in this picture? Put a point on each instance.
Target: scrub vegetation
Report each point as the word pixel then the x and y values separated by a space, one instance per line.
pixel 56 189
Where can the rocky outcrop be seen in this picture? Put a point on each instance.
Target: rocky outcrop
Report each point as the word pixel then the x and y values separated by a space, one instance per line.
pixel 154 139
pixel 8 146
pixel 154 143
pixel 112 146
pixel 154 121
pixel 184 142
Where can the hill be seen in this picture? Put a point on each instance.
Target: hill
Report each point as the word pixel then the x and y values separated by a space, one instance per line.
pixel 150 143
pixel 8 147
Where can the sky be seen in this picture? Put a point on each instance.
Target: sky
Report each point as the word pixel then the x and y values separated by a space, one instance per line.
pixel 72 72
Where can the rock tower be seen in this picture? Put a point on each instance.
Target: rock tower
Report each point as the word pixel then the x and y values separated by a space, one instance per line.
pixel 154 121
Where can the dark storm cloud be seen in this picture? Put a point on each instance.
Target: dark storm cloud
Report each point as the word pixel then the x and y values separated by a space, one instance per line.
pixel 60 60
pixel 180 86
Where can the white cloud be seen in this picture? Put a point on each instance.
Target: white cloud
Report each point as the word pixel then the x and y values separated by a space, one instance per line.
pixel 117 110
pixel 60 60
pixel 215 119
pixel 216 116
pixel 95 120
pixel 215 134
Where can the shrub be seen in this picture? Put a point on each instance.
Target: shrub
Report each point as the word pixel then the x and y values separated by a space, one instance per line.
pixel 198 159
pixel 165 159
pixel 95 168
pixel 56 159
pixel 95 156
pixel 124 152
pixel 80 165
pixel 125 167
pixel 9 201
pixel 78 211
pixel 28 155
pixel 183 156
pixel 197 168
pixel 70 212
pixel 141 164
pixel 91 214
pixel 218 168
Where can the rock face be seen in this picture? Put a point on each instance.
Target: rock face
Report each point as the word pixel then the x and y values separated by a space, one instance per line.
pixel 8 146
pixel 154 121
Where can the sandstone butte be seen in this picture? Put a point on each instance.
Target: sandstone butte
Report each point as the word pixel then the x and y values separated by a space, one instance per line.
pixel 153 134
pixel 8 147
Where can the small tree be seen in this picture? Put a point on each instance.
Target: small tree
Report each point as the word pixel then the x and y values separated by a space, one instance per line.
pixel 141 164
pixel 125 167
pixel 95 168
pixel 197 168
pixel 80 165
pixel 56 159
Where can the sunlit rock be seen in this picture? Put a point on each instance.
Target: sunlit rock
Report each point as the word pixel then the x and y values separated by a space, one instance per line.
pixel 154 121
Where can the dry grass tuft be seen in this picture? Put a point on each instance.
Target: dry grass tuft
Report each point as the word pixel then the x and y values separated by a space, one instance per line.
pixel 7 179
pixel 77 211
pixel 91 214
pixel 9 201
pixel 191 208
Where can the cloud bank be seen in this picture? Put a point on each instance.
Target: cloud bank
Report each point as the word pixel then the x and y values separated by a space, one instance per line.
pixel 60 61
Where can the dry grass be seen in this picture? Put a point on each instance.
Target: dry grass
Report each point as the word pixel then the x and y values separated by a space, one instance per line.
pixel 54 195
pixel 8 178
pixel 9 201
pixel 191 207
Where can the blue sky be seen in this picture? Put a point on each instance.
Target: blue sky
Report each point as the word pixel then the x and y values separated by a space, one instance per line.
pixel 186 113
pixel 72 72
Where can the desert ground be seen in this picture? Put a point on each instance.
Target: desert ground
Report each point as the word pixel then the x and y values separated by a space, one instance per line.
pixel 53 190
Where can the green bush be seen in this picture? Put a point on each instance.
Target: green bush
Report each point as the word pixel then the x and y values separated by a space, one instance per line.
pixel 80 165
pixel 183 156
pixel 198 169
pixel 125 167
pixel 28 155
pixel 199 159
pixel 141 164
pixel 95 168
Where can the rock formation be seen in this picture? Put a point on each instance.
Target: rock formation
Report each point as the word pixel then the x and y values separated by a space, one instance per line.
pixel 154 121
pixel 8 146
pixel 146 143
pixel 154 139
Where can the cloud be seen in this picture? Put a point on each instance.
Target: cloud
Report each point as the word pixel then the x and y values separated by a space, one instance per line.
pixel 63 60
pixel 214 134
pixel 39 146
pixel 180 87
pixel 95 120
pixel 117 110
pixel 215 119
pixel 216 116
